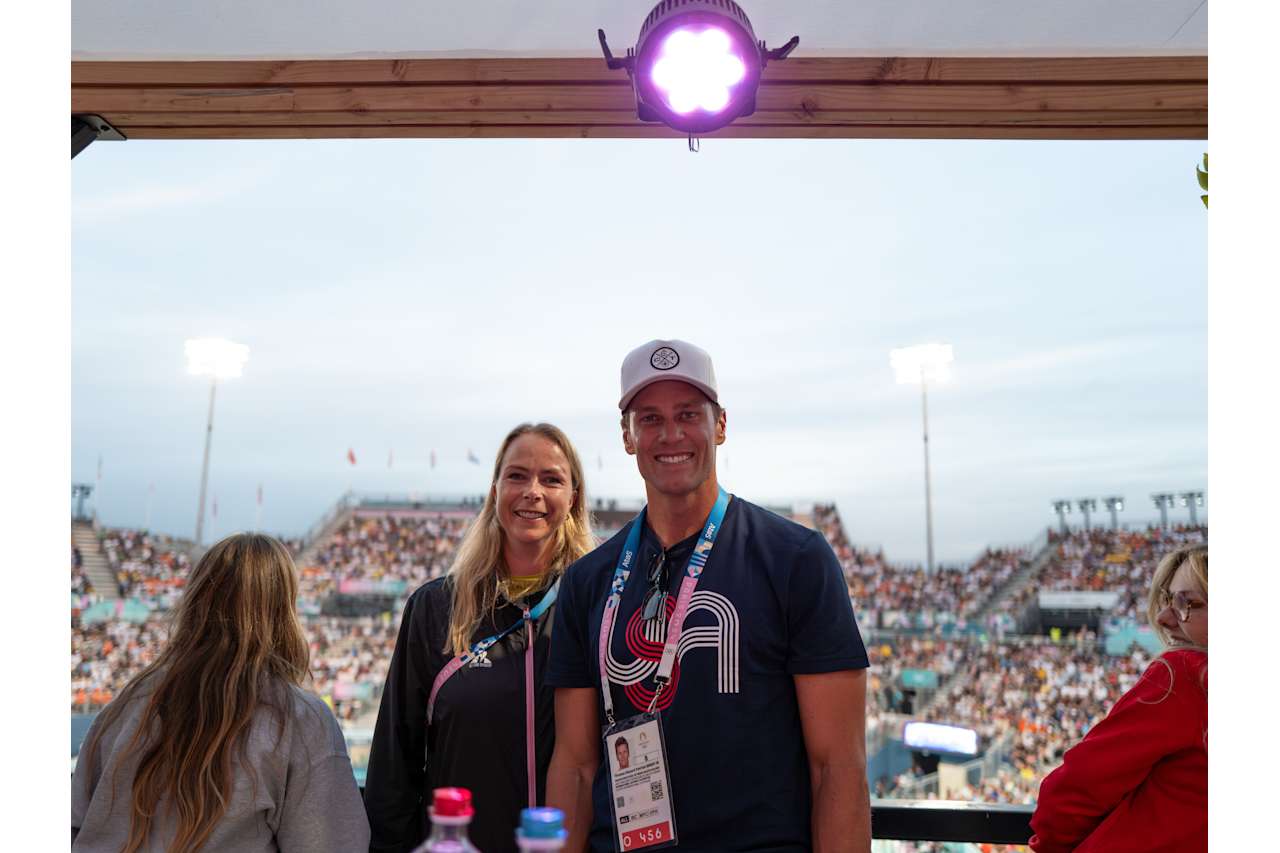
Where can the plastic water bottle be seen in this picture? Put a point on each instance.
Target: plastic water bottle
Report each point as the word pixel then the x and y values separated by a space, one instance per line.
pixel 450 814
pixel 541 831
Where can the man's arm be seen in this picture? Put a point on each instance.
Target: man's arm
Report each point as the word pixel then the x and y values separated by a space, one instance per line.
pixel 832 715
pixel 574 762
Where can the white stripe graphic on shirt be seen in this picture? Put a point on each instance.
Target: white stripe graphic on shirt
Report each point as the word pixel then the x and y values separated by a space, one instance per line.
pixel 723 637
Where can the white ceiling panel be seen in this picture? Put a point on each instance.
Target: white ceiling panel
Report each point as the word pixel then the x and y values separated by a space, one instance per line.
pixel 296 29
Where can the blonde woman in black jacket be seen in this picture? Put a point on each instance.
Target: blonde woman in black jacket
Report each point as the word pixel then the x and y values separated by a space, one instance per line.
pixel 464 703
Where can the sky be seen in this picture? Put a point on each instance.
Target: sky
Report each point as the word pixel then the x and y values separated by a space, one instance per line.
pixel 405 296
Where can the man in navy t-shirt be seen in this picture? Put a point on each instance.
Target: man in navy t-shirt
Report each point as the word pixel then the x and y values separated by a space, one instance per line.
pixel 764 710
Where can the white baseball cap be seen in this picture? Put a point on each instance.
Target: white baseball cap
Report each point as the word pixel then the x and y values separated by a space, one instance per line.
pixel 658 361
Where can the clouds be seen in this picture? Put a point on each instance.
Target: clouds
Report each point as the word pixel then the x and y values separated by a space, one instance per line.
pixel 123 201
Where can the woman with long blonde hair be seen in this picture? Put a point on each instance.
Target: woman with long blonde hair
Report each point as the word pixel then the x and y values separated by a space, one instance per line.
pixel 1139 781
pixel 465 704
pixel 215 745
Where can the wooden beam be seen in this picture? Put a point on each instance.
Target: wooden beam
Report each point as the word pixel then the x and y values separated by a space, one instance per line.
pixel 530 131
pixel 329 72
pixel 1063 98
pixel 588 118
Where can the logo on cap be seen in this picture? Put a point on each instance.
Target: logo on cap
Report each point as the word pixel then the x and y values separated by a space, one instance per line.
pixel 664 358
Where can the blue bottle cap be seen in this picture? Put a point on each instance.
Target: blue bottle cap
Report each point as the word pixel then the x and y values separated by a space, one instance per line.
pixel 542 824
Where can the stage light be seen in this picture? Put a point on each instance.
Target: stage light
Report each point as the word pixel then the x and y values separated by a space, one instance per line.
pixel 696 64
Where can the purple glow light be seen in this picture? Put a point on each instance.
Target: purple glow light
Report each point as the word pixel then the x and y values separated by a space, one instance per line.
pixel 698 70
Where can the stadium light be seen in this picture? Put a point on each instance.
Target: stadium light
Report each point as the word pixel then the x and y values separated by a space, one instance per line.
pixel 1063 509
pixel 1087 505
pixel 216 358
pixel 1114 504
pixel 696 64
pixel 80 491
pixel 1163 502
pixel 1191 500
pixel 924 364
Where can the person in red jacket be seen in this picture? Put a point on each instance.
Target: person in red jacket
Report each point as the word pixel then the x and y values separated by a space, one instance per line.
pixel 1139 780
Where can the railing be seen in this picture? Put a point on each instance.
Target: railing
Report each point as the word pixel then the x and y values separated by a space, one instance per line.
pixel 945 820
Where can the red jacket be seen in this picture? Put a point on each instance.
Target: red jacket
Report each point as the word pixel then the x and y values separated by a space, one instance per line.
pixel 1140 778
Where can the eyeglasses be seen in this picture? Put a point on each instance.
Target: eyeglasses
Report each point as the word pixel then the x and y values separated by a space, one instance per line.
pixel 655 600
pixel 1182 603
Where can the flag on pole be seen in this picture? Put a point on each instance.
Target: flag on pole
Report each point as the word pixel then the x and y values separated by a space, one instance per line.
pixel 433 460
pixel 259 494
pixel 389 455
pixel 351 456
pixel 599 462
pixel 472 458
pixel 215 506
pixel 99 467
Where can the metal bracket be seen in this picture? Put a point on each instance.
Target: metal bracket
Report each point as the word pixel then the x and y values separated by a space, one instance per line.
pixel 612 61
pixel 779 53
pixel 86 128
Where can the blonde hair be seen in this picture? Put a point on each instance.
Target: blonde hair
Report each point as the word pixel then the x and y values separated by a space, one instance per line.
pixel 235 641
pixel 1197 557
pixel 479 559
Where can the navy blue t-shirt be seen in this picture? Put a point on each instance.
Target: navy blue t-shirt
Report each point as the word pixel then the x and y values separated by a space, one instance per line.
pixel 772 603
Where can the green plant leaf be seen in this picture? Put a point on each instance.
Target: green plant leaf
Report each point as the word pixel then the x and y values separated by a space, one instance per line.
pixel 1205 199
pixel 1203 178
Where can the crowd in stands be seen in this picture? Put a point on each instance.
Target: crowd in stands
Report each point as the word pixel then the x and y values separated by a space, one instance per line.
pixel 409 549
pixel 106 655
pixel 1108 560
pixel 1034 701
pixel 895 597
pixel 349 660
pixel 150 568
pixel 890 657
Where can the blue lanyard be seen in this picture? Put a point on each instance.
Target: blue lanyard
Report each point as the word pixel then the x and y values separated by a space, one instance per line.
pixel 477 649
pixel 532 616
pixel 697 562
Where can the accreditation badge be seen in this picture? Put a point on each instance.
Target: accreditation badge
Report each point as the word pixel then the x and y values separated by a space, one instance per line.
pixel 639 784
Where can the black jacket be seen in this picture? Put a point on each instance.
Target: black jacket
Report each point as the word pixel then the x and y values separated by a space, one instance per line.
pixel 476 739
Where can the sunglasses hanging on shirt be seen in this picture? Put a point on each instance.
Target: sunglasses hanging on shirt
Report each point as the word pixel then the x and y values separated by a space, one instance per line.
pixel 655 600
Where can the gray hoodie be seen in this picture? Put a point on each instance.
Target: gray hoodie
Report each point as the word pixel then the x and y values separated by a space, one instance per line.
pixel 305 798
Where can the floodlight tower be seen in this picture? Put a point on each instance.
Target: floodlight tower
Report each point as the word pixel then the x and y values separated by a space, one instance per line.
pixel 1191 500
pixel 922 364
pixel 1063 509
pixel 1163 502
pixel 80 491
pixel 216 358
pixel 1114 504
pixel 1087 505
